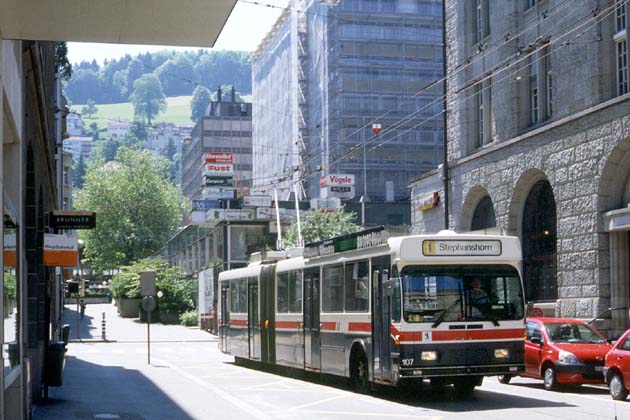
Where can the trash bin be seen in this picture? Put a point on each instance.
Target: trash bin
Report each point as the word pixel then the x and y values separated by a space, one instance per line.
pixel 13 354
pixel 55 362
pixel 65 333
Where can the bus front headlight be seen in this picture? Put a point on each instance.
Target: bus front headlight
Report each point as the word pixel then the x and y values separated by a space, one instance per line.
pixel 501 353
pixel 429 356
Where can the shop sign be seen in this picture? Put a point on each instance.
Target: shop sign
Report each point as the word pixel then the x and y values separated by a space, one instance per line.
pixel 60 250
pixel 257 201
pixel 219 169
pixel 202 205
pixel 219 215
pixel 336 180
pixel 269 213
pixel 352 241
pixel 218 181
pixel 73 219
pixel 218 157
pixel 217 193
pixel 429 202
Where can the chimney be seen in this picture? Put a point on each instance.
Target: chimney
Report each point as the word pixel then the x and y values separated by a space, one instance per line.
pixel 219 93
pixel 233 94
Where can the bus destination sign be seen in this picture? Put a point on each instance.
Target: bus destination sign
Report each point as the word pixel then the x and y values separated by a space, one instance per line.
pixel 455 248
pixel 351 241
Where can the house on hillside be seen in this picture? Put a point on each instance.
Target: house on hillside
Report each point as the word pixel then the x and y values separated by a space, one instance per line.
pixel 164 133
pixel 117 128
pixel 74 124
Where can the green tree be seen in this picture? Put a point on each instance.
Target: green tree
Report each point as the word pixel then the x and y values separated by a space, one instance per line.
pixel 319 224
pixel 138 130
pixel 78 173
pixel 94 131
pixel 104 151
pixel 147 97
pixel 64 68
pixel 137 208
pixel 200 100
pixel 89 109
pixel 176 288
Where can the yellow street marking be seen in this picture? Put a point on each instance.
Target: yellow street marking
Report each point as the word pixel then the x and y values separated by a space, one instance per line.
pixel 351 413
pixel 299 407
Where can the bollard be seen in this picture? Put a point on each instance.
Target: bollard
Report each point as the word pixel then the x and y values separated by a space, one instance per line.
pixel 103 328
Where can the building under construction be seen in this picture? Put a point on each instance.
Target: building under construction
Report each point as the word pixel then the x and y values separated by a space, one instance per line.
pixel 327 75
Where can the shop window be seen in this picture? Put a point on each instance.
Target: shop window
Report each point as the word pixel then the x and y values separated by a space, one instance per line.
pixel 10 294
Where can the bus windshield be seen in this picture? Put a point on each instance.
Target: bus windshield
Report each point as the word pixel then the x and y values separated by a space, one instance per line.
pixel 461 293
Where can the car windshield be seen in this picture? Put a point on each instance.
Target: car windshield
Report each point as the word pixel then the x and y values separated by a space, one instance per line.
pixel 461 293
pixel 572 333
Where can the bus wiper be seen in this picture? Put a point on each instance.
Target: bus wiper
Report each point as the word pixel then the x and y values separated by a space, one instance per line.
pixel 440 318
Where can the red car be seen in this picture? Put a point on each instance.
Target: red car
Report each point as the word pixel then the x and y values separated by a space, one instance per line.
pixel 617 369
pixel 563 351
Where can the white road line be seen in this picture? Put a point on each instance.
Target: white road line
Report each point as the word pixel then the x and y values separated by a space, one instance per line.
pixel 239 403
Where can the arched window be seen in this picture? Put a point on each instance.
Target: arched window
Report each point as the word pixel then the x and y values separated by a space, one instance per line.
pixel 539 243
pixel 484 216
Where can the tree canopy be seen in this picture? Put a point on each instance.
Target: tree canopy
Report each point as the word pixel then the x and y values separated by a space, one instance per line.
pixel 179 73
pixel 147 98
pixel 320 224
pixel 137 209
pixel 199 102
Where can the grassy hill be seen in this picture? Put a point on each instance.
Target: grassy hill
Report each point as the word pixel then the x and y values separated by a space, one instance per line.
pixel 177 111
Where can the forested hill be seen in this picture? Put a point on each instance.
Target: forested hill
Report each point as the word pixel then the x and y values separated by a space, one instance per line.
pixel 179 74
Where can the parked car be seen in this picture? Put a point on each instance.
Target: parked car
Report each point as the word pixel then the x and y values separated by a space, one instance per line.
pixel 617 369
pixel 563 351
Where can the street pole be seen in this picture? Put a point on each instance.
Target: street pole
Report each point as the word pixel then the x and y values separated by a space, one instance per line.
pixel 149 336
pixel 364 167
pixel 445 104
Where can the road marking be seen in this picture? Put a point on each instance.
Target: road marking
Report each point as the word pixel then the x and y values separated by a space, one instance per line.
pixel 351 413
pixel 238 403
pixel 299 407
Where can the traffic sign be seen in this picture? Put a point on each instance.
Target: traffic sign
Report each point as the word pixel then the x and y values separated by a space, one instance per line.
pixel 147 283
pixel 148 303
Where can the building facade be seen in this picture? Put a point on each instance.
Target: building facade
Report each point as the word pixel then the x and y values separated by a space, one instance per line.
pixel 226 128
pixel 327 76
pixel 539 145
pixel 79 147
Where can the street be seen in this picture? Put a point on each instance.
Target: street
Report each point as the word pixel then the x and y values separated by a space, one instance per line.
pixel 189 378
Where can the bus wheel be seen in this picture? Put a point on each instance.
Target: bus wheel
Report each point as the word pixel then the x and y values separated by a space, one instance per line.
pixel 465 386
pixel 504 379
pixel 359 372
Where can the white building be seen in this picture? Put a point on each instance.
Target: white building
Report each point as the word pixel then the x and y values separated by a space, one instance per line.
pixel 117 128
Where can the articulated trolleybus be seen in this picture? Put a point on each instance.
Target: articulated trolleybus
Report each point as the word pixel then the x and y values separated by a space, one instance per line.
pixel 447 307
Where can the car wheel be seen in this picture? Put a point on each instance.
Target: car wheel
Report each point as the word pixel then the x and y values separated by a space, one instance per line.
pixel 549 378
pixel 504 379
pixel 616 387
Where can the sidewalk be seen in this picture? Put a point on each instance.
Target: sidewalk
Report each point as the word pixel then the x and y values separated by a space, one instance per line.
pixel 124 329
pixel 112 380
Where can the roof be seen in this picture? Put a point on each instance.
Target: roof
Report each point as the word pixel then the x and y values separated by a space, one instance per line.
pixel 146 22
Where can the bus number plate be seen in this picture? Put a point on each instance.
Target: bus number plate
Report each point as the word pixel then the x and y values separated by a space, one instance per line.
pixel 407 362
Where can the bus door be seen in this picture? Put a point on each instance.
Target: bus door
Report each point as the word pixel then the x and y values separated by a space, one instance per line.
pixel 224 328
pixel 381 319
pixel 312 339
pixel 253 325
pixel 268 313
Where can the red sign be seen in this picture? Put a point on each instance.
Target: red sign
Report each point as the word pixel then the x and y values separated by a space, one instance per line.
pixel 218 157
pixel 336 180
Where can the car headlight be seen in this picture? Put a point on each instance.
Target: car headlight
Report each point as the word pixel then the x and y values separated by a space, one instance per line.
pixel 566 357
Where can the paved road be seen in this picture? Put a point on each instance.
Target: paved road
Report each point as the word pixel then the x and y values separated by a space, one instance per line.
pixel 193 380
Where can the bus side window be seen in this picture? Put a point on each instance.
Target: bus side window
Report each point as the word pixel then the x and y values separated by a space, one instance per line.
pixel 395 299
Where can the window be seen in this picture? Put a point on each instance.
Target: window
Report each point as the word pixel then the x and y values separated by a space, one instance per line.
pixel 238 296
pixel 482 20
pixel 533 91
pixel 332 288
pixel 546 61
pixel 532 331
pixel 282 293
pixel 357 286
pixel 621 47
pixel 480 119
pixel 289 292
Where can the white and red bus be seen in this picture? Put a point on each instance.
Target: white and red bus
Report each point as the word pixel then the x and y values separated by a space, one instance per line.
pixel 447 307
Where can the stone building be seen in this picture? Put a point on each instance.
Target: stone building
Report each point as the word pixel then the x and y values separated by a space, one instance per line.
pixel 539 145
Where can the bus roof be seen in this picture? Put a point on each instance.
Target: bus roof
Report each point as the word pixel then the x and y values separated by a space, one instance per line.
pixel 239 273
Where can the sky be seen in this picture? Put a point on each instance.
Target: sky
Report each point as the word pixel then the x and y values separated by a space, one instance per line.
pixel 254 15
